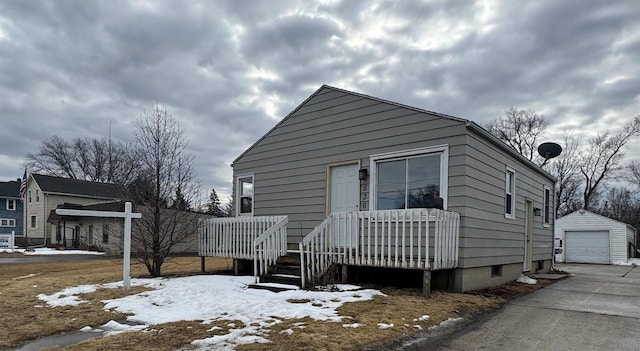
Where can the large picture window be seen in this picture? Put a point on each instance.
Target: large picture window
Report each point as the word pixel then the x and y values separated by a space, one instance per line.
pixel 245 195
pixel 510 193
pixel 410 179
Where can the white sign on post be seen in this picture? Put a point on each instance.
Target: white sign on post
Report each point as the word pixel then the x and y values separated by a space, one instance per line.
pixel 127 215
pixel 7 241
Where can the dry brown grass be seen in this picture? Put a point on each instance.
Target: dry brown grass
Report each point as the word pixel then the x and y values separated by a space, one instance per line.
pixel 31 318
pixel 402 308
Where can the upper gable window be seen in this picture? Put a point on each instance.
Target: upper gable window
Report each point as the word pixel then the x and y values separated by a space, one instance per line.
pixel 11 204
pixel 410 179
pixel 546 217
pixel 510 193
pixel 29 196
pixel 244 199
pixel 37 195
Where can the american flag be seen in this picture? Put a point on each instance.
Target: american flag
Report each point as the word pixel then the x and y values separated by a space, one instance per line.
pixel 23 186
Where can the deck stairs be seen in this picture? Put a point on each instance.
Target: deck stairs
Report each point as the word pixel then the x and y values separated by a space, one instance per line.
pixel 283 275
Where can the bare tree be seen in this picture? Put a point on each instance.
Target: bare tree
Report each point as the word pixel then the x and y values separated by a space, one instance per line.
pixel 521 129
pixel 97 160
pixel 601 158
pixel 633 173
pixel 165 188
pixel 567 173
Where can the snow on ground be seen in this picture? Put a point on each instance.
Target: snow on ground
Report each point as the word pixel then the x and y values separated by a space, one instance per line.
pixel 385 325
pixel 49 251
pixel 526 280
pixel 445 323
pixel 629 262
pixel 218 297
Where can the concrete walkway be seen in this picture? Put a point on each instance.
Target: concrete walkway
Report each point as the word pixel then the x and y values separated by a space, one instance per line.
pixel 596 308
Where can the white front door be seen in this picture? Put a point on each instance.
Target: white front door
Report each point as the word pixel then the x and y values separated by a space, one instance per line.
pixel 528 236
pixel 344 190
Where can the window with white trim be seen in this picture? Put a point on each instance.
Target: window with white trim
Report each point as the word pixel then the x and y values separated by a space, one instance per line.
pixel 34 222
pixel 11 204
pixel 7 222
pixel 244 199
pixel 546 216
pixel 510 193
pixel 29 196
pixel 37 195
pixel 414 178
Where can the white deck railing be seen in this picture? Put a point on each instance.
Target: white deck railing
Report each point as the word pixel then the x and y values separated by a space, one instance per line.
pixel 269 246
pixel 415 238
pixel 261 239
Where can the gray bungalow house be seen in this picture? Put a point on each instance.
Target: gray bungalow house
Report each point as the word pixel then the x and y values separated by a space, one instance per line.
pixel 352 180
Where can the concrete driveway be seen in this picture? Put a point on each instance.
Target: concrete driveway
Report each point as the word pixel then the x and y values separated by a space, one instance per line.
pixel 596 308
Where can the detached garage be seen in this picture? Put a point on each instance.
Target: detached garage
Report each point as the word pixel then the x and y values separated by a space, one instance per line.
pixel 586 237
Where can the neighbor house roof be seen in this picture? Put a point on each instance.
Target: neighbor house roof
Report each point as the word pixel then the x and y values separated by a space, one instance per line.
pixel 468 123
pixel 115 206
pixel 10 189
pixel 58 185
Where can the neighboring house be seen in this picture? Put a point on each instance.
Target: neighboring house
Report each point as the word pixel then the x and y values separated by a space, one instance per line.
pixel 348 171
pixel 10 208
pixel 587 237
pixel 106 234
pixel 44 193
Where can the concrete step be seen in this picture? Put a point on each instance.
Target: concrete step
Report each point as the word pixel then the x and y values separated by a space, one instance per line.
pixel 289 259
pixel 288 269
pixel 275 287
pixel 288 279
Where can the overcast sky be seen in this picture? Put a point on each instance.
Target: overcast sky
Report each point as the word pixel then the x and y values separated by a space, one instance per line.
pixel 230 70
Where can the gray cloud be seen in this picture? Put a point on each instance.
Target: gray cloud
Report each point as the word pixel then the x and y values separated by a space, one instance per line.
pixel 228 71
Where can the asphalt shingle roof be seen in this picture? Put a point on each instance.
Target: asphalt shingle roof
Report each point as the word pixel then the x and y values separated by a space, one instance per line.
pixel 51 184
pixel 10 189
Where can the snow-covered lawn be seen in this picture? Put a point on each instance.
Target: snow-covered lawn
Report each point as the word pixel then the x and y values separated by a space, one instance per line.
pixel 48 251
pixel 218 297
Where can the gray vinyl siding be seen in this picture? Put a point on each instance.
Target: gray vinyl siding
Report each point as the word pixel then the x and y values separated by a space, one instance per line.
pixel 290 166
pixel 290 163
pixel 487 237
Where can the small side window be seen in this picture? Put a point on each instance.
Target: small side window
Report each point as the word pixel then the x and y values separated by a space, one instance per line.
pixel 244 189
pixel 510 193
pixel 546 217
pixel 105 233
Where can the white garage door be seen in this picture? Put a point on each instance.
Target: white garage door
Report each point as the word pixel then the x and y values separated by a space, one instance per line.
pixel 587 246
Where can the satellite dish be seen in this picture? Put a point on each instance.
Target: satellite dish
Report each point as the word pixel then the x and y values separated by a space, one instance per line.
pixel 549 150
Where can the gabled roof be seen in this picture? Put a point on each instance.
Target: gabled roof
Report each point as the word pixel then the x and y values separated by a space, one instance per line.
pixel 83 188
pixel 589 213
pixel 468 123
pixel 115 206
pixel 10 189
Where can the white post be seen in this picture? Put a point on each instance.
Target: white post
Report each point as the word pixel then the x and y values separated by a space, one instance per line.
pixel 127 215
pixel 126 279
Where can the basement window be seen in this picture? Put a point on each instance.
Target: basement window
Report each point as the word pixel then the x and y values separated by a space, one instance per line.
pixel 539 265
pixel 496 271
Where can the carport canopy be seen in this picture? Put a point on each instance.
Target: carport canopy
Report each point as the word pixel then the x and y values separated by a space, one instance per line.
pixel 587 246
